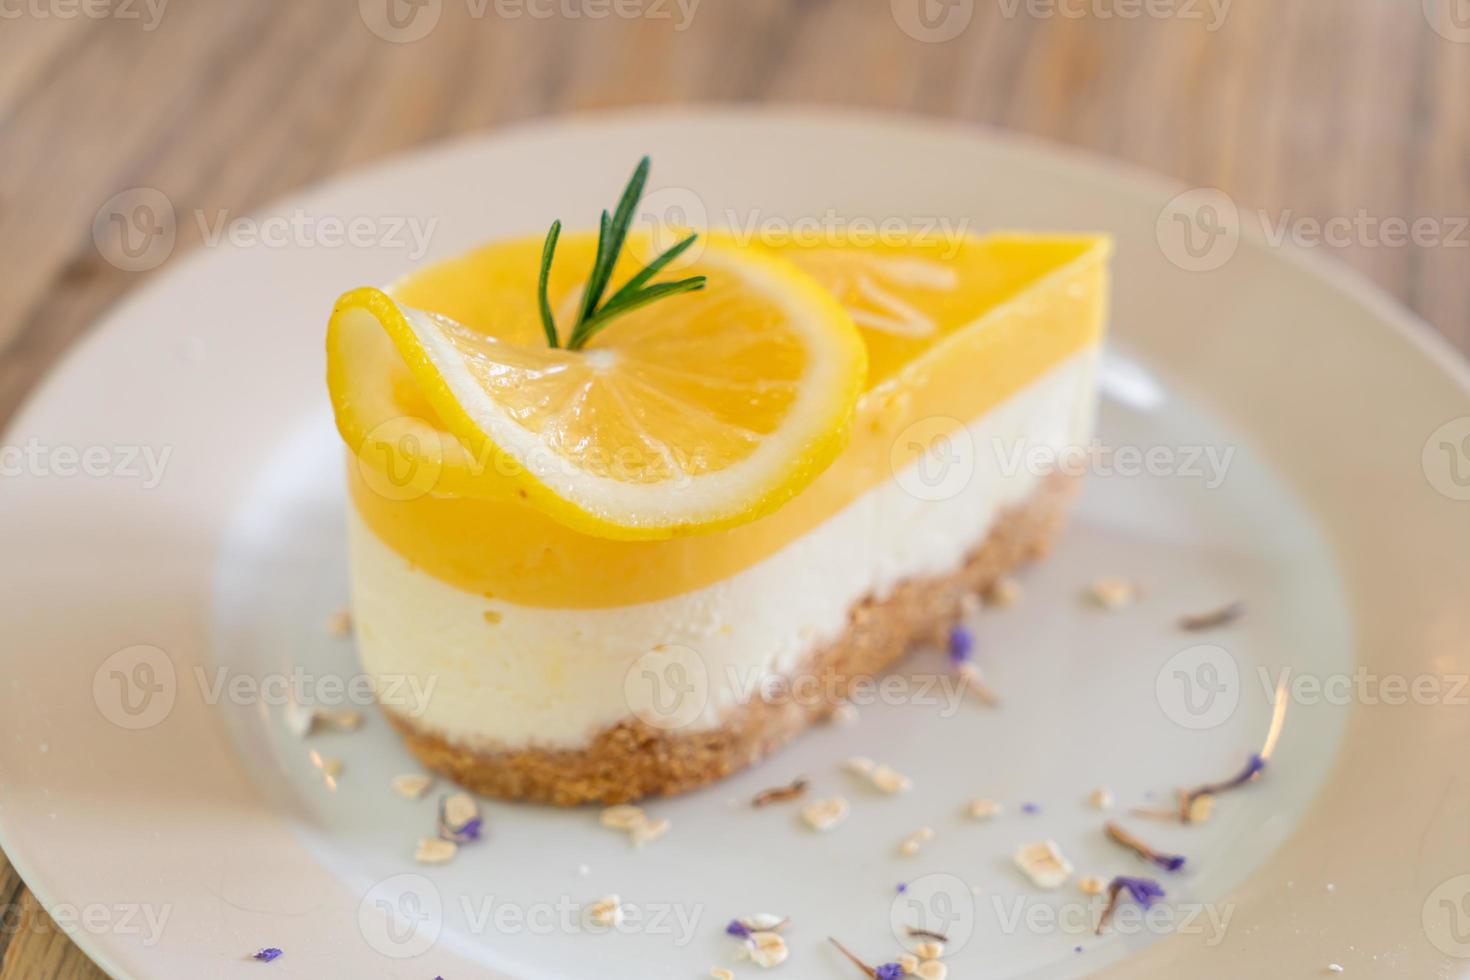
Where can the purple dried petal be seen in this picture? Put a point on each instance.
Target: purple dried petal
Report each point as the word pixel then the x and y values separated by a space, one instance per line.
pixel 471 829
pixel 738 928
pixel 1142 890
pixel 267 954
pixel 888 971
pixel 902 888
pixel 961 645
pixel 1169 862
pixel 1252 769
pixel 1030 808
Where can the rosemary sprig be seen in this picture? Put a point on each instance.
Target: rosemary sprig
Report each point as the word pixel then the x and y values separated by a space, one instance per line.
pixel 594 315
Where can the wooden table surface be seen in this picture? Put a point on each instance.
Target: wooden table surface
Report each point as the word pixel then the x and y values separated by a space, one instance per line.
pixel 1299 109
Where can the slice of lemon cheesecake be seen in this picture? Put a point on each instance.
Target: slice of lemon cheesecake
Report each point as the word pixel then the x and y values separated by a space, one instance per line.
pixel 633 552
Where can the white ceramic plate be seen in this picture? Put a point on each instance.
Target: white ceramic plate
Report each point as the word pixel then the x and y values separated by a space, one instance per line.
pixel 155 802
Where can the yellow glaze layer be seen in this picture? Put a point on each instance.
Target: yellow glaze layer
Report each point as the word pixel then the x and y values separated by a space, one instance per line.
pixel 1040 299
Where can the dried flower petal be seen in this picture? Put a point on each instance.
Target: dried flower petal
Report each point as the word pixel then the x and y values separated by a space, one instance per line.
pixel 1044 864
pixel 911 844
pixel 412 786
pixel 1223 616
pixel 932 970
pixel 1092 885
pixel 1144 891
pixel 931 949
pixel 1253 768
pixel 339 719
pixel 961 645
pixel 266 954
pixel 890 780
pixel 632 820
pixel 768 949
pixel 606 911
pixel 1101 798
pixel 908 963
pixel 339 623
pixel 435 850
pixel 649 831
pixel 765 922
pixel 1169 862
pixel 1003 592
pixel 982 809
pixel 299 721
pixel 779 794
pixel 860 765
pixel 1198 810
pixel 623 817
pixel 720 973
pixel 738 929
pixel 888 971
pixel 825 814
pixel 1156 813
pixel 459 809
pixel 973 683
pixel 459 818
pixel 1114 593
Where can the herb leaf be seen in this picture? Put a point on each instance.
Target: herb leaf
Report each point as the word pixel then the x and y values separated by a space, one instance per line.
pixel 622 219
pixel 654 268
pixel 548 252
pixel 643 297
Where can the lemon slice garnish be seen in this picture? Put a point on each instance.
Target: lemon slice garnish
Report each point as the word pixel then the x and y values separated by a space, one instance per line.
pixel 702 411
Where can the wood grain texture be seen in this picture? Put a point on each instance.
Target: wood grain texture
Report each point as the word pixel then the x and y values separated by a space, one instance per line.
pixel 1296 108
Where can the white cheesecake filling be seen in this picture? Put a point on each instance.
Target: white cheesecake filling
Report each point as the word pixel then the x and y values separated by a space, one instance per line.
pixel 503 675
